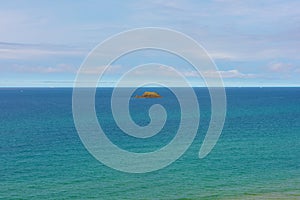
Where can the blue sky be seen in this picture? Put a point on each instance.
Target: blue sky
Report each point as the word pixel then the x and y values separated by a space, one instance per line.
pixel 253 43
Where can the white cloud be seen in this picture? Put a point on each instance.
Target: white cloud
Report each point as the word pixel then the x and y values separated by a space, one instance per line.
pixel 28 51
pixel 281 67
pixel 114 69
pixel 223 74
pixel 168 72
pixel 232 74
pixel 60 68
pixel 297 70
pixel 222 55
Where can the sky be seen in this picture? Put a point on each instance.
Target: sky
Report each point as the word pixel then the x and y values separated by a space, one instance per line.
pixel 253 43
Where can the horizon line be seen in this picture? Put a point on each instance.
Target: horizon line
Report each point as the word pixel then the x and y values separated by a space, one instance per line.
pixel 21 87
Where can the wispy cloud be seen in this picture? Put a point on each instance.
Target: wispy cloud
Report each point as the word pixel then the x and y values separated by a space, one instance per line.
pixel 231 74
pixel 261 38
pixel 235 30
pixel 63 68
pixel 223 74
pixel 107 70
pixel 60 68
pixel 280 67
pixel 168 72
pixel 32 51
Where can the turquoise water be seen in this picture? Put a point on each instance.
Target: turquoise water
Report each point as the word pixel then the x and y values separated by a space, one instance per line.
pixel 257 155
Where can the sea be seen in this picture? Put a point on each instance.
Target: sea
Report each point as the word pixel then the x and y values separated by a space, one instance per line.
pixel 256 157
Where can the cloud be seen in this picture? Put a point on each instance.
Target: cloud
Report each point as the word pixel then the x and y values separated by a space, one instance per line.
pixel 231 30
pixel 113 69
pixel 281 67
pixel 60 68
pixel 232 74
pixel 21 51
pixel 283 70
pixel 168 72
pixel 297 70
pixel 224 74
pixel 235 33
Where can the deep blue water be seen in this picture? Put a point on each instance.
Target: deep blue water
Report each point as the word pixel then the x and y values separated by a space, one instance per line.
pixel 257 155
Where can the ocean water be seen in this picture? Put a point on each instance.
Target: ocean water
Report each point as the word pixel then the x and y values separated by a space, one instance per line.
pixel 256 157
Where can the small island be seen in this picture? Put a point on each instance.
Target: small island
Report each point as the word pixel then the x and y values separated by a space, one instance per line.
pixel 149 95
